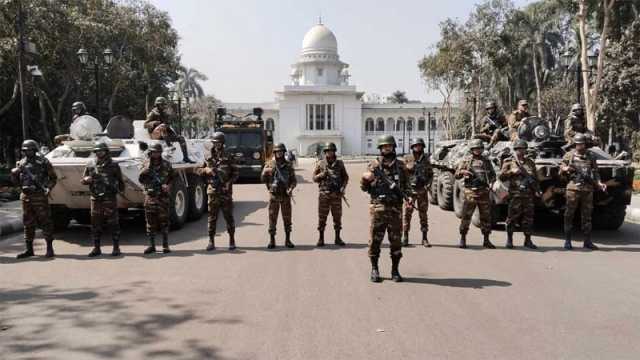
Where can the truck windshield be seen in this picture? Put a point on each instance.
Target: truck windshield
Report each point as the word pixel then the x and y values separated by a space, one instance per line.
pixel 246 140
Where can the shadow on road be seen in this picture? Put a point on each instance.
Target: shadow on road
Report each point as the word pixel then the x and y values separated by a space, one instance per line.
pixel 459 283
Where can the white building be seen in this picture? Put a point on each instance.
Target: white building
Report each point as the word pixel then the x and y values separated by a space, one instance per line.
pixel 321 106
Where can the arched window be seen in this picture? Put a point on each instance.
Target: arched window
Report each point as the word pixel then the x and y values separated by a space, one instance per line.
pixel 270 124
pixel 422 124
pixel 391 124
pixel 400 124
pixel 380 124
pixel 410 122
pixel 369 125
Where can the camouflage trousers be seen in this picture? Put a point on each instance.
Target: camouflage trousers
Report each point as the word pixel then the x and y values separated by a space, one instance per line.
pixel 385 218
pixel 521 211
pixel 216 204
pixel 422 203
pixel 168 134
pixel 156 212
pixel 277 202
pixel 330 202
pixel 104 212
pixel 473 199
pixel 575 200
pixel 36 213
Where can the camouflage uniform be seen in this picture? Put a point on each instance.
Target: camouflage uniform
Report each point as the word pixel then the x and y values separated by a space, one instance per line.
pixel 332 179
pixel 476 194
pixel 153 176
pixel 156 117
pixel 36 178
pixel 280 188
pixel 491 126
pixel 220 193
pixel 516 118
pixel 106 184
pixel 420 174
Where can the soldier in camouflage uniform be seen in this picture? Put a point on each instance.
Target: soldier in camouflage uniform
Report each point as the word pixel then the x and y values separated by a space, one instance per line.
pixel 520 172
pixel 420 175
pixel 516 118
pixel 77 109
pixel 104 178
pixel 576 124
pixel 581 168
pixel 36 178
pixel 492 123
pixel 157 124
pixel 332 179
pixel 220 173
pixel 387 183
pixel 280 178
pixel 478 175
pixel 157 175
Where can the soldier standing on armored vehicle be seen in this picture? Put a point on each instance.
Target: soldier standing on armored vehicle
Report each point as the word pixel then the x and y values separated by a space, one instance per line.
pixel 220 173
pixel 581 168
pixel 157 124
pixel 516 117
pixel 104 179
pixel 77 109
pixel 576 124
pixel 157 175
pixel 478 175
pixel 36 178
pixel 492 123
pixel 520 172
pixel 420 174
pixel 332 179
pixel 280 178
pixel 387 182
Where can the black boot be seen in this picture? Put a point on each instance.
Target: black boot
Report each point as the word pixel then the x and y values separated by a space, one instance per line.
pixel 375 274
pixel 509 239
pixel 463 241
pixel 152 245
pixel 116 244
pixel 50 252
pixel 487 243
pixel 185 154
pixel 528 243
pixel 28 251
pixel 96 247
pixel 405 239
pixel 165 242
pixel 425 240
pixel 287 240
pixel 567 240
pixel 588 244
pixel 232 240
pixel 212 242
pixel 395 273
pixel 320 242
pixel 338 241
pixel 272 241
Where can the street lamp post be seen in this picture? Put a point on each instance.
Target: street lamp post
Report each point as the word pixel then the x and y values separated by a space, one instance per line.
pixel 98 63
pixel 468 93
pixel 567 58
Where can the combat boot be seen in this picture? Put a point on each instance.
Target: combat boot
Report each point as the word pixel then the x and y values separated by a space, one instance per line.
pixel 232 240
pixel 116 244
pixel 287 240
pixel 185 154
pixel 405 239
pixel 338 241
pixel 320 242
pixel 165 242
pixel 528 243
pixel 96 247
pixel 395 273
pixel 28 251
pixel 588 244
pixel 463 241
pixel 509 238
pixel 375 274
pixel 151 249
pixel 425 240
pixel 49 253
pixel 272 241
pixel 212 242
pixel 487 243
pixel 567 241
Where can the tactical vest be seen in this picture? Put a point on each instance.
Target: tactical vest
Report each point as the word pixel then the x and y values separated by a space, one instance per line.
pixel 387 188
pixel 280 179
pixel 222 174
pixel 584 174
pixel 158 175
pixel 105 183
pixel 417 176
pixel 333 182
pixel 33 176
pixel 523 183
pixel 480 174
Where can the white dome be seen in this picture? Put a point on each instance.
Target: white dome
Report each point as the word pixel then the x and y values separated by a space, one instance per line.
pixel 320 39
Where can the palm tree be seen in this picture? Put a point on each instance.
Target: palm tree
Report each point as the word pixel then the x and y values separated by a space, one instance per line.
pixel 188 82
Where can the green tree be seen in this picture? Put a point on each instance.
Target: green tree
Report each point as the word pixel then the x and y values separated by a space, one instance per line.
pixel 189 81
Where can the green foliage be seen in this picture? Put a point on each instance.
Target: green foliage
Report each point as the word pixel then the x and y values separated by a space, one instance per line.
pixel 398 97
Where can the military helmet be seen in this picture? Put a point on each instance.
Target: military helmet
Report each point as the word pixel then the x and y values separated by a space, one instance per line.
pixel 155 147
pixel 417 141
pixel 576 107
pixel 78 104
pixel 100 146
pixel 29 145
pixel 520 144
pixel 476 144
pixel 280 147
pixel 160 100
pixel 579 138
pixel 386 140
pixel 523 102
pixel 330 147
pixel 218 137
pixel 490 105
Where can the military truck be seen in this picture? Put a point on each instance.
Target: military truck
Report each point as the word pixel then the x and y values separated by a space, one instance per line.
pixel 247 140
pixel 547 147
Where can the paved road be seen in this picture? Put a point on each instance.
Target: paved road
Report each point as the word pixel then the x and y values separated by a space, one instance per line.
pixel 310 303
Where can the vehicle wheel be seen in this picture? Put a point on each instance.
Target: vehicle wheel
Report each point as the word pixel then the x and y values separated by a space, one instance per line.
pixel 197 197
pixel 179 206
pixel 610 217
pixel 458 198
pixel 82 217
pixel 433 189
pixel 60 217
pixel 445 190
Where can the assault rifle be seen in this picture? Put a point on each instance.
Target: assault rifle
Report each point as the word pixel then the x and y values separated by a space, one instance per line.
pixel 397 194
pixel 29 182
pixel 529 181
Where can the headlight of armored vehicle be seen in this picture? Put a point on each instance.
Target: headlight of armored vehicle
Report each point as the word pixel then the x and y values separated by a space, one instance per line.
pixel 256 155
pixel 541 132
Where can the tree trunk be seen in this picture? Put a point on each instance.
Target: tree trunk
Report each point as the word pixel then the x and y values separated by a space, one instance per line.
pixel 12 100
pixel 607 7
pixel 43 117
pixel 582 24
pixel 536 75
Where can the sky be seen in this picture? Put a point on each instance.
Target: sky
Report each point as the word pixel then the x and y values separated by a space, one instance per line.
pixel 246 47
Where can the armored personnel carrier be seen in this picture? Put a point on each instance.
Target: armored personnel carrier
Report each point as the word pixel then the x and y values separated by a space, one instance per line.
pixel 127 143
pixel 546 147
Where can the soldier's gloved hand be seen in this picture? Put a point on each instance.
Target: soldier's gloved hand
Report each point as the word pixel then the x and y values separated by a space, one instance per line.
pixel 15 171
pixel 602 186
pixel 515 171
pixel 267 171
pixel 87 180
pixel 166 188
pixel 538 194
pixel 46 191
